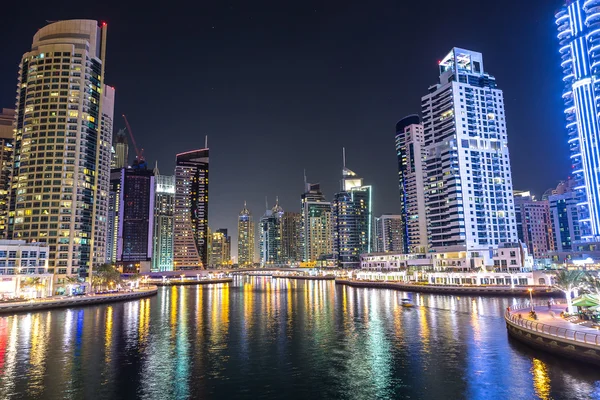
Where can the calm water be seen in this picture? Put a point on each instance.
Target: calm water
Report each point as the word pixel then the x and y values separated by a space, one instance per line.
pixel 277 338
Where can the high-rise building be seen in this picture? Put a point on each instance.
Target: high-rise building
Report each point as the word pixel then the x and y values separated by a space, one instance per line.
pixel 468 187
pixel 59 155
pixel 245 238
pixel 291 237
pixel 164 221
pixel 534 225
pixel 121 155
pixel 410 149
pixel 270 237
pixel 317 224
pixel 133 219
pixel 7 117
pixel 389 234
pixel 220 249
pixel 564 216
pixel 191 210
pixel 577 23
pixel 352 220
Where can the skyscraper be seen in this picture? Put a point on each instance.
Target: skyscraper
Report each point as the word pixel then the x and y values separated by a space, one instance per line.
pixel 7 118
pixel 59 155
pixel 191 210
pixel 317 224
pixel 270 237
pixel 410 149
pixel 291 234
pixel 121 154
pixel 577 23
pixel 352 219
pixel 164 222
pixel 133 220
pixel 468 187
pixel 220 249
pixel 245 238
pixel 564 216
pixel 534 225
pixel 389 234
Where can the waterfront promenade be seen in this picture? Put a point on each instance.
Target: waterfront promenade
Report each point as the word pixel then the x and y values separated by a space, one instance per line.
pixel 552 333
pixel 74 301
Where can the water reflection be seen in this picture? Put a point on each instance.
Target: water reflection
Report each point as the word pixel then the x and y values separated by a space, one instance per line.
pixel 273 338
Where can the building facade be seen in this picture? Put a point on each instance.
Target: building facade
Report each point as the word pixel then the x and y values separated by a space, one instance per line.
pixel 410 149
pixel 577 23
pixel 7 117
pixel 245 238
pixel 291 237
pixel 164 222
pixel 389 234
pixel 534 224
pixel 270 237
pixel 191 210
pixel 58 168
pixel 220 249
pixel 565 220
pixel 133 218
pixel 468 187
pixel 317 224
pixel 352 220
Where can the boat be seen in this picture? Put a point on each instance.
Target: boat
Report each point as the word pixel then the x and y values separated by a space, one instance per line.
pixel 406 303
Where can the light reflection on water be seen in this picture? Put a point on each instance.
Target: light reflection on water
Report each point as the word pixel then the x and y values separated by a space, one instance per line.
pixel 277 338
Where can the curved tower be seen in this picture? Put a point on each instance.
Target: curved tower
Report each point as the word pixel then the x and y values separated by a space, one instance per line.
pixel 578 24
pixel 63 123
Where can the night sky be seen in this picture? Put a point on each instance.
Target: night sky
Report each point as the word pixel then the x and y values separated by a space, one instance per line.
pixel 282 86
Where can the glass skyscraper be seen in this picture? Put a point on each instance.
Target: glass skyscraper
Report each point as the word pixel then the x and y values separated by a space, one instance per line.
pixel 245 238
pixel 578 24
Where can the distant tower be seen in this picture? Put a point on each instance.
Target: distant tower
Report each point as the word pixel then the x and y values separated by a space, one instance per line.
pixel 121 154
pixel 245 238
pixel 220 249
pixel 317 224
pixel 352 219
pixel 191 210
pixel 270 236
pixel 164 221
pixel 410 149
pixel 291 237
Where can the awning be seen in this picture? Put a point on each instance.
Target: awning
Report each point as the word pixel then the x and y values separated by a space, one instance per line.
pixel 586 300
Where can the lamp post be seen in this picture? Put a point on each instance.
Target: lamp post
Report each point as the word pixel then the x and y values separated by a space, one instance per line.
pixel 531 298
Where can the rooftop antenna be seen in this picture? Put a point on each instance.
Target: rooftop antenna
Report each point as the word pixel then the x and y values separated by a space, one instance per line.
pixel 206 142
pixel 305 184
pixel 266 203
pixel 344 156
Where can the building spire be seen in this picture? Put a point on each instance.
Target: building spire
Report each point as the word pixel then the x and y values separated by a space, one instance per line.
pixel 206 141
pixel 344 157
pixel 156 172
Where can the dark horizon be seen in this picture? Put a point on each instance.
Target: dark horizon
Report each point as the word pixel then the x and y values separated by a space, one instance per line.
pixel 281 88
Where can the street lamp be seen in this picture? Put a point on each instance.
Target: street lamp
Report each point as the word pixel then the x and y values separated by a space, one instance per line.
pixel 531 298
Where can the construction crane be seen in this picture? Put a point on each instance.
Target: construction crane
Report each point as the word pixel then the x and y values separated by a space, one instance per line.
pixel 139 155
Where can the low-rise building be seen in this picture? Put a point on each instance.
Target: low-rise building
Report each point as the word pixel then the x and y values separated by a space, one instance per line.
pixel 24 270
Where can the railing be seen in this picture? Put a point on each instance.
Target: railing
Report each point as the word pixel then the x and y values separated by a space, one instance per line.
pixel 512 315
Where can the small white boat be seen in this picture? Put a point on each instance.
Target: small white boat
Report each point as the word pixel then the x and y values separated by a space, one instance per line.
pixel 406 303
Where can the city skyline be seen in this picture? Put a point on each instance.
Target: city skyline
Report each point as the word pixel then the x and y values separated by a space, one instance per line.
pixel 375 103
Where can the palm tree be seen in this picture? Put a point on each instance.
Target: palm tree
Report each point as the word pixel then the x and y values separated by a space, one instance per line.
pixel 567 282
pixel 105 275
pixel 592 284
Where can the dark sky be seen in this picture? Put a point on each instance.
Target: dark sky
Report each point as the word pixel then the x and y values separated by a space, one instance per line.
pixel 281 86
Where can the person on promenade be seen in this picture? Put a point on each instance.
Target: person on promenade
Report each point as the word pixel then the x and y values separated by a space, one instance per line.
pixel 549 305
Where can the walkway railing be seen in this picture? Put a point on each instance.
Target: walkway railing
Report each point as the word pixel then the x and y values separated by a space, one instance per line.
pixel 512 315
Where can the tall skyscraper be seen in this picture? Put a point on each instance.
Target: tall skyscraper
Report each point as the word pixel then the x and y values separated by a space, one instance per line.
pixel 220 249
pixel 133 221
pixel 7 118
pixel 291 237
pixel 59 162
pixel 410 149
pixel 534 225
pixel 317 224
pixel 389 234
pixel 577 25
pixel 191 210
pixel 245 238
pixel 564 216
pixel 468 187
pixel 121 155
pixel 164 222
pixel 270 237
pixel 352 220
